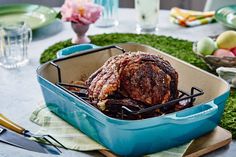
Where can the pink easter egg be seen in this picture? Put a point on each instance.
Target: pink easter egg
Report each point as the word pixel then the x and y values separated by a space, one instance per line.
pixel 223 53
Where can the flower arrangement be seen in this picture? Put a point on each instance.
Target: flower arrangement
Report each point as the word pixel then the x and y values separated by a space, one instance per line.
pixel 80 11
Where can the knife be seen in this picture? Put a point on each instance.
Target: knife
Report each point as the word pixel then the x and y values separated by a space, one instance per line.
pixel 17 140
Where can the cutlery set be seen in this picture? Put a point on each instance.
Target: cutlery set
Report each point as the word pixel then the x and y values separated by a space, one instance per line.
pixel 15 135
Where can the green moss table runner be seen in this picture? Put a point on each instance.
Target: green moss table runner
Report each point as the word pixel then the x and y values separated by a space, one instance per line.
pixel 181 49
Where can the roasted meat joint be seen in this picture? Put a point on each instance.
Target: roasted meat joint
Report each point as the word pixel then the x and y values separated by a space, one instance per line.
pixel 133 79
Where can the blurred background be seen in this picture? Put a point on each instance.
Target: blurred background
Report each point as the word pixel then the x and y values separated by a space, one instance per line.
pixel 165 4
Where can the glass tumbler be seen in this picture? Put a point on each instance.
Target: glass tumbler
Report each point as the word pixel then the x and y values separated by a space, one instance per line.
pixel 109 13
pixel 14 41
pixel 147 15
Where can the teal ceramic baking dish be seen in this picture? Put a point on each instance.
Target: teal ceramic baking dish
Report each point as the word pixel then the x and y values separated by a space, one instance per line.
pixel 133 137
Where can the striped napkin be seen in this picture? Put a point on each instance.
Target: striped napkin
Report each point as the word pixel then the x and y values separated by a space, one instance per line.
pixel 74 139
pixel 190 18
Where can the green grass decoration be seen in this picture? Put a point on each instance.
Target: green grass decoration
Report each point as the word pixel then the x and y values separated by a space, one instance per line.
pixel 181 49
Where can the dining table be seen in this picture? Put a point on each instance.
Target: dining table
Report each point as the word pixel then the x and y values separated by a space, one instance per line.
pixel 20 93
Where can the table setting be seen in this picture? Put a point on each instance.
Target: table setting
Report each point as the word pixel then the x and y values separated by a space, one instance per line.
pixel 92 79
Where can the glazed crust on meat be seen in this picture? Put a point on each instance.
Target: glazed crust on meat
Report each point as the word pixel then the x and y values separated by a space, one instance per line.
pixel 140 76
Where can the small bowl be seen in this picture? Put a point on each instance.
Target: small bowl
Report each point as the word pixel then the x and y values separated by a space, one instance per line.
pixel 215 62
pixel 228 74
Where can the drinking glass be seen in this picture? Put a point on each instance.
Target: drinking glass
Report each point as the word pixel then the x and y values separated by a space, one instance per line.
pixel 109 13
pixel 14 41
pixel 147 11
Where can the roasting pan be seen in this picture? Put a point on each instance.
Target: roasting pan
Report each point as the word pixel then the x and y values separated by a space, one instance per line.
pixel 133 137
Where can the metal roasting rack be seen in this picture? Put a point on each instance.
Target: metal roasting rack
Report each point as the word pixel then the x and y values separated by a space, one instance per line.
pixel 81 54
pixel 82 94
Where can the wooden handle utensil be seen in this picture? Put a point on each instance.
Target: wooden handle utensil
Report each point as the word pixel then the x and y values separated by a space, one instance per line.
pixel 10 125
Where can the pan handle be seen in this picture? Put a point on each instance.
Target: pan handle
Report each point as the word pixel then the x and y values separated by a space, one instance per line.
pixel 194 114
pixel 76 48
pixel 7 123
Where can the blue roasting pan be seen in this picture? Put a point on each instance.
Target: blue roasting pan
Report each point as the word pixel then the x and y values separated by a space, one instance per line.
pixel 132 137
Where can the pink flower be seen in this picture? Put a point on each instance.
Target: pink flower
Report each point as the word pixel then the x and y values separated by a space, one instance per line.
pixel 82 11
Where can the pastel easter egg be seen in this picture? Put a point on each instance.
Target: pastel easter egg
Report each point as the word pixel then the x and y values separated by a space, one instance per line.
pixel 206 46
pixel 226 40
pixel 223 53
